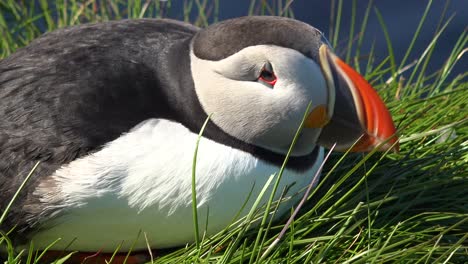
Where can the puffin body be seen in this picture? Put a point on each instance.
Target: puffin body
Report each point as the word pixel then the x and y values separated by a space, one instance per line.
pixel 112 112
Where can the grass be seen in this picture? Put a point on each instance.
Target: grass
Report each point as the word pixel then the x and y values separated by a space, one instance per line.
pixel 406 207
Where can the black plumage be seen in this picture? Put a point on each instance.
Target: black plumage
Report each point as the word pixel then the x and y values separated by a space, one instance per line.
pixel 214 44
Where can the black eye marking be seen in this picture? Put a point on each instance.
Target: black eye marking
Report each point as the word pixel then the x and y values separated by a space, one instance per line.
pixel 267 75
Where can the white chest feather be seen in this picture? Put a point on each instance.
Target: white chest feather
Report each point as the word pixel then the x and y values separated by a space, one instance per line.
pixel 142 182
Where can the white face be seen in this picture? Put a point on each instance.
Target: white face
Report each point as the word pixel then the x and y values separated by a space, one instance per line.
pixel 254 111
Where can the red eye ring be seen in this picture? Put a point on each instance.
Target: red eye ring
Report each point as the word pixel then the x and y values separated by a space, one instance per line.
pixel 267 77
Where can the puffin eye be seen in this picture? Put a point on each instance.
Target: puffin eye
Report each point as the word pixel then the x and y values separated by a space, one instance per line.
pixel 267 75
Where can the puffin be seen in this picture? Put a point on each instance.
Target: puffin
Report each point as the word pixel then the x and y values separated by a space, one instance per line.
pixel 108 115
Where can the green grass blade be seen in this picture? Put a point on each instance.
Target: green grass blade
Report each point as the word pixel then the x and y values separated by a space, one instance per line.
pixel 194 184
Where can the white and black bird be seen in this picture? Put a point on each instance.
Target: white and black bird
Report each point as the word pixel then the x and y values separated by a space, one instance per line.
pixel 112 112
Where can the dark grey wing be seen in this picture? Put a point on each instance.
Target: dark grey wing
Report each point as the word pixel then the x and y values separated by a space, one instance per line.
pixel 71 91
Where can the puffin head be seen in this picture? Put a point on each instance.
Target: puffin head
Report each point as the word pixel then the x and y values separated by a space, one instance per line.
pixel 256 76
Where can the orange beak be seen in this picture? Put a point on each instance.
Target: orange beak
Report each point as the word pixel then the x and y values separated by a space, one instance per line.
pixel 360 117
